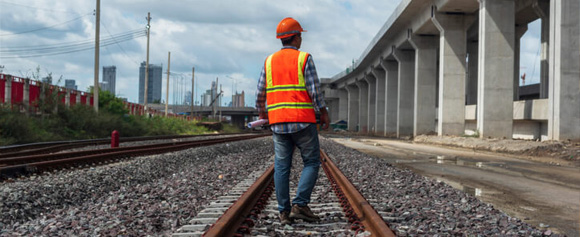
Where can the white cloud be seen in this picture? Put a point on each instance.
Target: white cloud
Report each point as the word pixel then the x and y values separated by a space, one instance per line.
pixel 220 38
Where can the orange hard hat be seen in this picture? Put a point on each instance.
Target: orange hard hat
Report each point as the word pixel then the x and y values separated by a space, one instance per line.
pixel 288 27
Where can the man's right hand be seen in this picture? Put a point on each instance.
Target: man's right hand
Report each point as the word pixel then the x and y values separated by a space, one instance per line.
pixel 263 115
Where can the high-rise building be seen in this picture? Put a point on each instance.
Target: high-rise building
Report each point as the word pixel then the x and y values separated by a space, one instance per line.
pixel 238 100
pixel 154 83
pixel 209 95
pixel 70 84
pixel 109 79
pixel 206 98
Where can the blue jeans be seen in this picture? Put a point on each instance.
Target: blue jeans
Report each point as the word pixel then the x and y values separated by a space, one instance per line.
pixel 307 142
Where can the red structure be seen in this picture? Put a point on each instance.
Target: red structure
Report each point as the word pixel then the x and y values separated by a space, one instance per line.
pixel 2 88
pixel 24 89
pixel 114 139
pixel 34 92
pixel 17 90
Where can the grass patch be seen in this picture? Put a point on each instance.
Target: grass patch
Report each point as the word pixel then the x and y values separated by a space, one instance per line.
pixel 55 122
pixel 82 122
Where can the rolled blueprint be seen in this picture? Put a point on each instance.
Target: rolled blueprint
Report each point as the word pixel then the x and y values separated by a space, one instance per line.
pixel 257 123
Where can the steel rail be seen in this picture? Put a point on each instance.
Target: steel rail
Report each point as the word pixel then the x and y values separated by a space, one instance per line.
pixel 47 147
pixel 104 155
pixel 42 157
pixel 53 148
pixel 64 155
pixel 371 220
pixel 229 222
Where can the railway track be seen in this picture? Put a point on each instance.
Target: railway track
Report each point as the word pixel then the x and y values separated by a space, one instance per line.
pixel 23 165
pixel 251 209
pixel 50 147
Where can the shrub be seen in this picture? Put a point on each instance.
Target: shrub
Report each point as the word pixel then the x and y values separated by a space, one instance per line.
pixel 82 122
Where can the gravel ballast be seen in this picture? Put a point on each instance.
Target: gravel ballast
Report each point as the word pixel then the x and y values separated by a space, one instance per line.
pixel 155 195
pixel 425 206
pixel 151 195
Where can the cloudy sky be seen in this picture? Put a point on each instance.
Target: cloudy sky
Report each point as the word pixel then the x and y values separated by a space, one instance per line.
pixel 223 39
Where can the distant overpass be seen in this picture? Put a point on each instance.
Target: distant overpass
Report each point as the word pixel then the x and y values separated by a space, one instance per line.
pixel 451 67
pixel 239 115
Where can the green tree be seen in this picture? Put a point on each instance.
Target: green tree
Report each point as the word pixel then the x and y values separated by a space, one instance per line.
pixel 111 104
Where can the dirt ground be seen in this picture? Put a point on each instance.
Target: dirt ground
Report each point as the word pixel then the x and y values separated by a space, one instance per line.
pixel 537 182
pixel 552 152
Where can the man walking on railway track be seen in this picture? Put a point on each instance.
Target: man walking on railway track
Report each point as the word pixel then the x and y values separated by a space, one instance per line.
pixel 288 95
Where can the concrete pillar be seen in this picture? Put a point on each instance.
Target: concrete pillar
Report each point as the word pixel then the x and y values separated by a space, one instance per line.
pixel 79 101
pixel 342 104
pixel 471 80
pixel 564 96
pixel 496 68
pixel 406 91
pixel 353 107
pixel 542 8
pixel 392 96
pixel 332 105
pixel 372 102
pixel 363 119
pixel 67 98
pixel 425 83
pixel 239 121
pixel 336 108
pixel 452 71
pixel 380 78
pixel 520 31
pixel 26 95
pixel 8 91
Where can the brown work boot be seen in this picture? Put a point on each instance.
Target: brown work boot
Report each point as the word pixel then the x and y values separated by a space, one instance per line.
pixel 284 219
pixel 303 213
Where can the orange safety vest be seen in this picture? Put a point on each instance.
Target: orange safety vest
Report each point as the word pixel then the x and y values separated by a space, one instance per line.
pixel 286 95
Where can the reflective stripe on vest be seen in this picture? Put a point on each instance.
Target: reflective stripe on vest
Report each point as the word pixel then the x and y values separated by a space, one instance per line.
pixel 290 105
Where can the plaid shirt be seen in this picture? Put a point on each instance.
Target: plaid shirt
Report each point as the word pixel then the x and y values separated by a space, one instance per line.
pixel 312 86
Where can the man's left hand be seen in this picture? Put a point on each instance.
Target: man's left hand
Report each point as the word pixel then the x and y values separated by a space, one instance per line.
pixel 324 120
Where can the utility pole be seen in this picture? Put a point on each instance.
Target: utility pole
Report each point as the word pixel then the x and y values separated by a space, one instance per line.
pixel 217 80
pixel 220 102
pixel 167 87
pixel 192 83
pixel 97 42
pixel 147 63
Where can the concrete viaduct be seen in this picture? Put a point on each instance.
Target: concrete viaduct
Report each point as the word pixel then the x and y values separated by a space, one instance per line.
pixel 240 116
pixel 451 67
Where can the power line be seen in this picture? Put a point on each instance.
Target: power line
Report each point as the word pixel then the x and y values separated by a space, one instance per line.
pixel 65 50
pixel 37 8
pixel 48 27
pixel 122 49
pixel 74 48
pixel 65 44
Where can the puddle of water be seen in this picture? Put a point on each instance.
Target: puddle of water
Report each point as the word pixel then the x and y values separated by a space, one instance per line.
pixel 475 191
pixel 459 161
